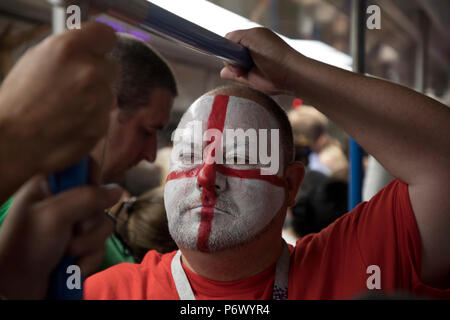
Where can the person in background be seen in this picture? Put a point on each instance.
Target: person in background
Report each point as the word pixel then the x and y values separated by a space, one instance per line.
pixel 322 197
pixel 146 175
pixel 143 95
pixel 321 201
pixel 141 224
pixel 314 146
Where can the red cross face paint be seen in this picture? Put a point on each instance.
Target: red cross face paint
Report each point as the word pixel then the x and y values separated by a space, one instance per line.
pixel 219 194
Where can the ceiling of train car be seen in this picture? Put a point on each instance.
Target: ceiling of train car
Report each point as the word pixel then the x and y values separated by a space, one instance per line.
pixel 324 20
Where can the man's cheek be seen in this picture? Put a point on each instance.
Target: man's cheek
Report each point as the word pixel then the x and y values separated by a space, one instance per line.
pixel 258 199
pixel 185 188
pixel 176 193
pixel 246 191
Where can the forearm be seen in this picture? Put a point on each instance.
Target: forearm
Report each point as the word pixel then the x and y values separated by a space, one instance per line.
pixel 406 131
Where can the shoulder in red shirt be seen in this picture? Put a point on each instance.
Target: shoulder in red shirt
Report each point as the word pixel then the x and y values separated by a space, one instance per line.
pixel 332 264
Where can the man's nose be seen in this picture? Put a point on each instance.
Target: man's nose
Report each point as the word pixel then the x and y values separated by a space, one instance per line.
pixel 209 178
pixel 149 149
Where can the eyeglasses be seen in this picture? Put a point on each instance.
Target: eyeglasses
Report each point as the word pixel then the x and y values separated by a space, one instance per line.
pixel 124 205
pixel 123 247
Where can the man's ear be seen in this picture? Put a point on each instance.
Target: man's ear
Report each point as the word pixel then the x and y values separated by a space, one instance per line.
pixel 293 175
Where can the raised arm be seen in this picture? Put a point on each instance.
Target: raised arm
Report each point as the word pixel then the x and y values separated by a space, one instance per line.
pixel 407 132
pixel 54 104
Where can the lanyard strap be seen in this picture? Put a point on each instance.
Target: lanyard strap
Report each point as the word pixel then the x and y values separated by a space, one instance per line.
pixel 280 287
pixel 181 281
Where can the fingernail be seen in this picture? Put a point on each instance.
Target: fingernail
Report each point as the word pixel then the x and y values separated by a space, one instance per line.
pixel 110 186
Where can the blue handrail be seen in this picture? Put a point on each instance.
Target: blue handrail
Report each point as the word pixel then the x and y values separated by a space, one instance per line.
pixel 171 26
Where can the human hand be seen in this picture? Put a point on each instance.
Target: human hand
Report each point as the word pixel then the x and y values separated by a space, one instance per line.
pixel 40 229
pixel 272 58
pixel 54 104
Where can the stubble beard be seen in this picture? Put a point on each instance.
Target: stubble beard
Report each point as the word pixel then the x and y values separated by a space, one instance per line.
pixel 226 234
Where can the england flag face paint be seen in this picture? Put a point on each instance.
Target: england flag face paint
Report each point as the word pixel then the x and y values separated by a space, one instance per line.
pixel 217 195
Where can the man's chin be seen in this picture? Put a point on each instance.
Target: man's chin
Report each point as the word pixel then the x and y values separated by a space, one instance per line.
pixel 214 248
pixel 112 178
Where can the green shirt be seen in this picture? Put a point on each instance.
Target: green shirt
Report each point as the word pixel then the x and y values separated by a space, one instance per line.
pixel 115 252
pixel 4 208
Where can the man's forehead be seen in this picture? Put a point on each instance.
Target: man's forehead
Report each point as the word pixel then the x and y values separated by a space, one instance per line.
pixel 239 112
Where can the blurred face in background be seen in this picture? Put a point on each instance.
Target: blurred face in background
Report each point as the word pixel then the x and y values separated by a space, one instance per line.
pixel 131 137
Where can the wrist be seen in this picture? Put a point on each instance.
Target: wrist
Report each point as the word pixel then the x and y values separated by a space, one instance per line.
pixel 294 62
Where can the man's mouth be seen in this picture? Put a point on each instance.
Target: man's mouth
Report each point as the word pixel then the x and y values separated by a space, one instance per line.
pixel 216 209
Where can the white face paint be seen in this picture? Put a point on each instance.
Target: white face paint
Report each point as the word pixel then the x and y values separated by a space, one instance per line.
pixel 243 206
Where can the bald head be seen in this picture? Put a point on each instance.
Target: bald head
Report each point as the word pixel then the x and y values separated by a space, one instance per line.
pixel 308 124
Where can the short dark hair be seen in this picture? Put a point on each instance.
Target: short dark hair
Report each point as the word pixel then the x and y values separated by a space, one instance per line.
pixel 142 70
pixel 271 106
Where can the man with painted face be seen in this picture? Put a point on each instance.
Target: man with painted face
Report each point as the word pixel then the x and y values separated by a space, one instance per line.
pixel 227 217
pixel 230 197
